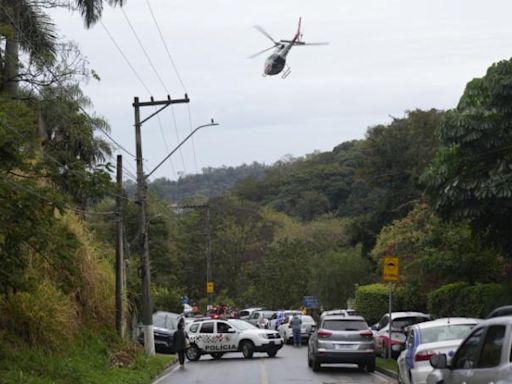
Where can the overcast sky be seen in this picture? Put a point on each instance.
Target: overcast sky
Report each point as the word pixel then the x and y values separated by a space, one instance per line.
pixel 385 57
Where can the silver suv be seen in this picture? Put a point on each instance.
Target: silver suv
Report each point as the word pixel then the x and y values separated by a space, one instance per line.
pixel 342 339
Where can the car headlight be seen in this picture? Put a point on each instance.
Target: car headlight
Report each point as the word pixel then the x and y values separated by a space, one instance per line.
pixel 263 336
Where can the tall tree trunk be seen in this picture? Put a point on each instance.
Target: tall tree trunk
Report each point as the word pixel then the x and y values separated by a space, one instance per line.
pixel 11 66
pixel 10 76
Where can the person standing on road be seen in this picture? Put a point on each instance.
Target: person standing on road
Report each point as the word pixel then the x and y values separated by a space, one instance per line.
pixel 180 342
pixel 295 325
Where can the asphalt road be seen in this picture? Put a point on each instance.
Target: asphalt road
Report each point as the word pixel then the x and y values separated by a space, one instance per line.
pixel 289 366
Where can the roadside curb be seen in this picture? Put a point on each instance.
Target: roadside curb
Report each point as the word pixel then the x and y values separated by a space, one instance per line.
pixel 387 372
pixel 165 372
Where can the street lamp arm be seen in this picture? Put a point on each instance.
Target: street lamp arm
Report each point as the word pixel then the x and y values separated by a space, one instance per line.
pixel 178 147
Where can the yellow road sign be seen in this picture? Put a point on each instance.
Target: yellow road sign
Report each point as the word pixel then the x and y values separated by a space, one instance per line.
pixel 390 270
pixel 210 288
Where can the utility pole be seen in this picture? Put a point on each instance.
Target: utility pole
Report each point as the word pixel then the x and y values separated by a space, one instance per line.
pixel 147 306
pixel 210 287
pixel 120 289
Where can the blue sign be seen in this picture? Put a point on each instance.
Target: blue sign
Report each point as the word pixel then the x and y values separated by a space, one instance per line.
pixel 186 300
pixel 311 302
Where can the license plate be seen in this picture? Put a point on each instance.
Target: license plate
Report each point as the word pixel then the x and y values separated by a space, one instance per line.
pixel 345 346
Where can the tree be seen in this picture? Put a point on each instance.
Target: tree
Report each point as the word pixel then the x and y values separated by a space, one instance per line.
pixel 386 186
pixel 25 25
pixel 471 175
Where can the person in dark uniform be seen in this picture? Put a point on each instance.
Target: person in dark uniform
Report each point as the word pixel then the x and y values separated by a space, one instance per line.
pixel 180 342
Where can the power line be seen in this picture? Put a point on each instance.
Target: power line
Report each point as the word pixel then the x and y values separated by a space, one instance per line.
pixel 166 47
pixel 165 143
pixel 182 84
pixel 144 50
pixel 125 58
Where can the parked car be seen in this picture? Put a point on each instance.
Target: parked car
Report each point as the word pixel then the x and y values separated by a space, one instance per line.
pixel 483 356
pixel 164 326
pixel 506 310
pixel 260 319
pixel 308 326
pixel 400 321
pixel 427 339
pixel 279 316
pixel 217 337
pixel 342 339
pixel 245 313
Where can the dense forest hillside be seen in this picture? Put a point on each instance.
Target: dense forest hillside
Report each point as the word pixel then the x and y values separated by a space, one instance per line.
pixel 210 183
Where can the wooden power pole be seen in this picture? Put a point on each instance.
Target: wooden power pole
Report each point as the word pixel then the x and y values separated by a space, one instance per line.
pixel 147 306
pixel 120 289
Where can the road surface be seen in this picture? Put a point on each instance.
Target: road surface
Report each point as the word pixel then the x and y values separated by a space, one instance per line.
pixel 289 366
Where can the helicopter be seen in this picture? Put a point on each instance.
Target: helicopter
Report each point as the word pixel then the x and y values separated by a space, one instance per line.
pixel 276 62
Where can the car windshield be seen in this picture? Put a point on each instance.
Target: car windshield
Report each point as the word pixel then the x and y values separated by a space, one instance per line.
pixel 267 315
pixel 401 323
pixel 168 321
pixel 344 325
pixel 307 319
pixel 242 325
pixel 445 332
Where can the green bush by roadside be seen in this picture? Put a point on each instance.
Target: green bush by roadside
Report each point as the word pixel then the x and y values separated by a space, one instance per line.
pixel 463 299
pixel 371 301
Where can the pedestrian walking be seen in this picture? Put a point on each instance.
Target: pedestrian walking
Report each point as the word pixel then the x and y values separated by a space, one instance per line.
pixel 180 339
pixel 295 325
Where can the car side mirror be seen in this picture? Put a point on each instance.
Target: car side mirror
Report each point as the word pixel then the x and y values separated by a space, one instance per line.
pixel 439 361
pixel 375 327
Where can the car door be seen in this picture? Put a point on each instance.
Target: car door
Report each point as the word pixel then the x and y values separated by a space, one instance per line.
pixel 227 337
pixel 205 339
pixel 477 360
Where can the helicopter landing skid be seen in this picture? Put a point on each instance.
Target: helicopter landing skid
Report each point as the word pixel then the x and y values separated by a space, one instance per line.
pixel 286 73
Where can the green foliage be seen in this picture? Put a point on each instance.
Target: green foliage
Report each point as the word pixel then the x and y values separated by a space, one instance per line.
pixel 433 252
pixel 92 357
pixel 42 317
pixel 470 176
pixel 372 300
pixel 463 299
pixel 335 275
pixel 387 183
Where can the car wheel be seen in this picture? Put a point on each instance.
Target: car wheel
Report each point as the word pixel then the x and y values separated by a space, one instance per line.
pixel 315 365
pixel 310 363
pixel 247 348
pixel 272 353
pixel 217 355
pixel 193 353
pixel 370 366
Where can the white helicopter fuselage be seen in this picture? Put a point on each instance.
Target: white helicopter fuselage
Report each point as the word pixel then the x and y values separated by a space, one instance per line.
pixel 275 63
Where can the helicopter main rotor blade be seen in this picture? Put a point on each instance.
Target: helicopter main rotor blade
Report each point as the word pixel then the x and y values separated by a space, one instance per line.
pixel 303 43
pixel 260 52
pixel 265 33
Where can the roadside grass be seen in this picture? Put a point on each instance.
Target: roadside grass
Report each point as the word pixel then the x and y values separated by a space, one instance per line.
pixel 90 358
pixel 387 364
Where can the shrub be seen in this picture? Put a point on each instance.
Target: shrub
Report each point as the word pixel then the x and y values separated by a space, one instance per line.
pixel 462 299
pixel 372 301
pixel 42 317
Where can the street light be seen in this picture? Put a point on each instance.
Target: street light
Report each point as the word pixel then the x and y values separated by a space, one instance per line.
pixel 179 145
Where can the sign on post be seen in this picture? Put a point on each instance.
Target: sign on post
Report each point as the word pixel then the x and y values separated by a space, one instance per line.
pixel 210 288
pixel 390 270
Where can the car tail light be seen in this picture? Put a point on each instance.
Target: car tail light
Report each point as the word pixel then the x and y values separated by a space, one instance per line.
pixel 366 333
pixel 323 333
pixel 424 356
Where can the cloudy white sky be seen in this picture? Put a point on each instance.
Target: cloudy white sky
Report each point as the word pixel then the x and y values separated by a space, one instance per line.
pixel 385 57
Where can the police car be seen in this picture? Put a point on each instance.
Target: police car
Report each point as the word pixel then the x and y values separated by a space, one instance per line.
pixel 217 337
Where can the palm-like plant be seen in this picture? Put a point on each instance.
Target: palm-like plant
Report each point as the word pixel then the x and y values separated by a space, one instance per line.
pixel 25 25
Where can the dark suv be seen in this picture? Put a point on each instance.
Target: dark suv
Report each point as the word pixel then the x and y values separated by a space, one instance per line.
pixel 342 339
pixel 164 326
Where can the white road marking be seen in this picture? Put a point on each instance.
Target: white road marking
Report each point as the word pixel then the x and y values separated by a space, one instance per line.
pixel 264 378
